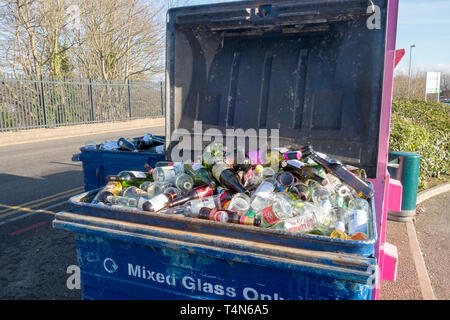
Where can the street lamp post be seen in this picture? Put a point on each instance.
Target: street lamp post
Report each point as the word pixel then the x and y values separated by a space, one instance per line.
pixel 409 74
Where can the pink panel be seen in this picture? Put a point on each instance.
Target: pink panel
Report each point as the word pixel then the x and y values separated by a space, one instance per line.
pixel 381 182
pixel 390 262
pixel 395 195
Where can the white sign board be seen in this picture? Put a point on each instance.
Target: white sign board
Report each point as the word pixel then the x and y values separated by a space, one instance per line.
pixel 433 82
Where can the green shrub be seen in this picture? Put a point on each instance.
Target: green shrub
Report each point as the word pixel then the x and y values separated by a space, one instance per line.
pixel 422 127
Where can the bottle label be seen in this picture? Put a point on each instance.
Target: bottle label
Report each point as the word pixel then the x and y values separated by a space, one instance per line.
pixel 269 216
pixel 159 202
pixel 139 174
pixel 220 216
pixel 246 220
pixel 300 224
pixel 204 193
pixel 295 163
pixel 197 166
pixel 196 205
pixel 357 222
pixel 264 190
pixel 169 175
pixel 114 187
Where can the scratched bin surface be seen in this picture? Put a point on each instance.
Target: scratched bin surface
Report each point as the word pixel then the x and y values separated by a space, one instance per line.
pixel 121 261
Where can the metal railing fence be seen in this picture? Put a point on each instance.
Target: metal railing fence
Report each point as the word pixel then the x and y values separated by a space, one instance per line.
pixel 27 102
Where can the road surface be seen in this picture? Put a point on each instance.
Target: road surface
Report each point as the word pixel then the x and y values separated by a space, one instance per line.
pixel 34 257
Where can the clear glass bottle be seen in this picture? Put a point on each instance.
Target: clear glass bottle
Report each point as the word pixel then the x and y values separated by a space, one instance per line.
pixel 240 202
pixel 184 182
pixel 261 195
pixel 357 216
pixel 299 224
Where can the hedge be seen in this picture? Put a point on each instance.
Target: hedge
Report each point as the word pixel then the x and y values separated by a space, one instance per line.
pixel 422 127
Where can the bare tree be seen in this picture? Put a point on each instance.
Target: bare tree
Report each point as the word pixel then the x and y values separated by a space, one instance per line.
pixel 34 39
pixel 122 39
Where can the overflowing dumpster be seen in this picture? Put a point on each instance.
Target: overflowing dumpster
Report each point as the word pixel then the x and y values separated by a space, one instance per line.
pixel 320 73
pixel 98 163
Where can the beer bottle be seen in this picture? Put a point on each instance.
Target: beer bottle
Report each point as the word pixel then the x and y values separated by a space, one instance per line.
pixel 184 182
pixel 165 174
pixel 357 216
pixel 213 153
pixel 192 208
pixel 227 217
pixel 339 224
pixel 299 191
pixel 122 201
pixel 130 178
pixel 112 188
pixel 200 174
pixel 196 193
pixel 146 142
pixel 225 175
pixel 309 172
pixel 245 166
pixel 284 181
pixel 158 202
pixel 134 192
pixel 240 203
pixel 126 145
pixel 253 177
pixel 271 158
pixel 261 195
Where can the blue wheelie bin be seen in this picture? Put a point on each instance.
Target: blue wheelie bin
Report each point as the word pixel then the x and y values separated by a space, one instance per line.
pixel 313 70
pixel 99 163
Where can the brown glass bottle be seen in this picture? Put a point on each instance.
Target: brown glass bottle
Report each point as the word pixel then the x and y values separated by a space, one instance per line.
pixel 196 193
pixel 227 217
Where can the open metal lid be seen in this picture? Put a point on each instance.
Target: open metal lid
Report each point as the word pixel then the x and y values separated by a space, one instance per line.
pixel 312 69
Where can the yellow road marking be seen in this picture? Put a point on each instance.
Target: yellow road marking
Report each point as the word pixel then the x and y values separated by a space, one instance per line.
pixel 16 209
pixel 75 136
pixel 55 196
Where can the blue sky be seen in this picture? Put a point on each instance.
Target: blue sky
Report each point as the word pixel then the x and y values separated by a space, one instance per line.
pixel 425 23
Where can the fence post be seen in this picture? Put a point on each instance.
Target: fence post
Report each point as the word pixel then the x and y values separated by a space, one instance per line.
pixel 91 100
pixel 43 99
pixel 162 98
pixel 129 98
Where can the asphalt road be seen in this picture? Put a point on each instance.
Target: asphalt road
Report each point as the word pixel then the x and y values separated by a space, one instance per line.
pixel 34 257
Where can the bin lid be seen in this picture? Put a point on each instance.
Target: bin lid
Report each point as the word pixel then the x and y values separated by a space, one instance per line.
pixel 312 69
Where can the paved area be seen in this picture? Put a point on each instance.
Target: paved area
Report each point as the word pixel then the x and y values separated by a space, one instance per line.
pixel 35 257
pixel 432 226
pixel 40 175
pixel 433 232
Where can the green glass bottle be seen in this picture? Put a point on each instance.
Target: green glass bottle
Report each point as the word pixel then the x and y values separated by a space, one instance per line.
pixel 131 178
pixel 200 174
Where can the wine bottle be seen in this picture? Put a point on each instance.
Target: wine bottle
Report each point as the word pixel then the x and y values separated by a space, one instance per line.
pixel 225 175
pixel 199 173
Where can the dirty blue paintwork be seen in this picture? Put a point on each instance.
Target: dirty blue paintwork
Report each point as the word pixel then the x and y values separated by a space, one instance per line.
pixel 97 164
pixel 114 256
pixel 80 204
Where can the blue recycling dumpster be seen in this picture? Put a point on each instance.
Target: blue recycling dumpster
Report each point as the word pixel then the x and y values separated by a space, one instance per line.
pixel 313 70
pixel 129 254
pixel 99 163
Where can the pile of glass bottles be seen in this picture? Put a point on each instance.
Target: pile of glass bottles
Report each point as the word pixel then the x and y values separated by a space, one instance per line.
pixel 147 143
pixel 296 191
